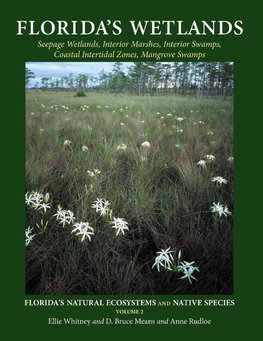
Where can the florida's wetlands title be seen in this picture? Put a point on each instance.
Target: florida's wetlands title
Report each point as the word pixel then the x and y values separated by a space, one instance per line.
pixel 129 171
pixel 138 28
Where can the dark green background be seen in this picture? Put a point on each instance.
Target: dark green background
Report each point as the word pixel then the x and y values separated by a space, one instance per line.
pixel 244 50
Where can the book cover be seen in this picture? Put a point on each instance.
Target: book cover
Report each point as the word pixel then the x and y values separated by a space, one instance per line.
pixel 129 141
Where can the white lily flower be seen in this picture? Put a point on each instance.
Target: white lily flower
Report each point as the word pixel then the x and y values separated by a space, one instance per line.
pixel 201 163
pixel 164 259
pixel 209 157
pixel 84 230
pixel 67 143
pixel 64 217
pixel 188 269
pixel 120 225
pixel 122 146
pixel 101 206
pixel 220 209
pixel 29 235
pixel 219 180
pixel 146 144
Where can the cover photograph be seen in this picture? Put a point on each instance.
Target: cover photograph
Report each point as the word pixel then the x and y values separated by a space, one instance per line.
pixel 129 178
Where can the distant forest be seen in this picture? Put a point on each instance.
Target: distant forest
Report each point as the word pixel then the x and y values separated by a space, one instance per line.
pixel 199 79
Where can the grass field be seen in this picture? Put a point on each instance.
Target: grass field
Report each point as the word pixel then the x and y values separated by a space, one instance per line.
pixel 157 187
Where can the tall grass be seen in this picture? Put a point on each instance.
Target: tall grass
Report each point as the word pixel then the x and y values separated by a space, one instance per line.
pixel 160 191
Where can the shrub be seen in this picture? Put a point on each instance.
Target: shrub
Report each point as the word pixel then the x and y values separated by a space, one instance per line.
pixel 80 93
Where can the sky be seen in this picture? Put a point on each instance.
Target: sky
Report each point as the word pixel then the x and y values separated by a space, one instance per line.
pixel 59 69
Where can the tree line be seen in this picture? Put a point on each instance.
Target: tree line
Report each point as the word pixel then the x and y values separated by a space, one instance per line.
pixel 211 79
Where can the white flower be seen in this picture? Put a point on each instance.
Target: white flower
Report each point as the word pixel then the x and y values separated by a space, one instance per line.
pixel 169 114
pixel 91 174
pixel 177 146
pixel 122 146
pixel 120 225
pixel 122 124
pixel 101 206
pixel 230 159
pixel 146 144
pixel 201 122
pixel 220 209
pixel 37 200
pixel 33 199
pixel 29 235
pixel 164 258
pixel 187 269
pixel 178 130
pixel 94 173
pixel 158 113
pixel 210 133
pixel 180 119
pixel 209 157
pixel 44 206
pixel 201 163
pixel 219 180
pixel 84 230
pixel 84 148
pixel 64 217
pixel 67 143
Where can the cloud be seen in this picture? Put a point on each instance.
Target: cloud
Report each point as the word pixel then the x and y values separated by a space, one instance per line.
pixel 59 69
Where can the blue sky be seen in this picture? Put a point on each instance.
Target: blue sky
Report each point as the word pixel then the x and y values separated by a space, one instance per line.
pixel 59 69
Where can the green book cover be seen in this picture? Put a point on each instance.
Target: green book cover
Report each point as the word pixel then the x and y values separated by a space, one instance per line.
pixel 128 173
